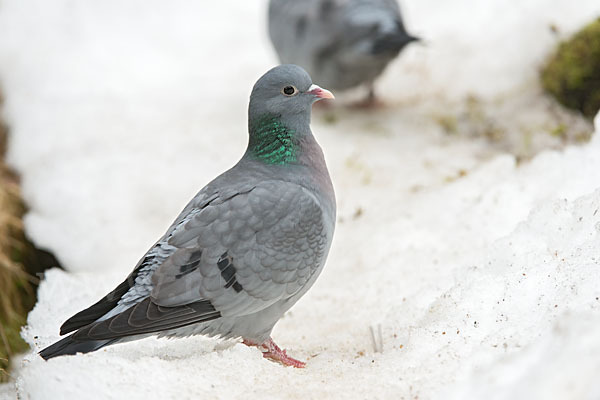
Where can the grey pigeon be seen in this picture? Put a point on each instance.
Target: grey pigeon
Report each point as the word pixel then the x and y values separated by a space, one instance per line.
pixel 243 251
pixel 341 43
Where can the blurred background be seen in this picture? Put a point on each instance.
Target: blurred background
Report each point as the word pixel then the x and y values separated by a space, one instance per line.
pixel 467 177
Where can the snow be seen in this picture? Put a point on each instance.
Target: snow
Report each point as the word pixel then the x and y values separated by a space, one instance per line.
pixel 480 269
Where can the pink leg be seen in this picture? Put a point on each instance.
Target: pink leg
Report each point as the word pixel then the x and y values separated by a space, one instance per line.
pixel 371 102
pixel 271 351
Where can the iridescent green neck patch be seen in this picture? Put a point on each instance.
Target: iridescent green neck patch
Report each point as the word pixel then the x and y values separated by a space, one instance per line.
pixel 271 141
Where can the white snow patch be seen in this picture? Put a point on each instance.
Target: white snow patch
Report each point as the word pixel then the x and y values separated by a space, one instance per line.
pixel 482 274
pixel 7 391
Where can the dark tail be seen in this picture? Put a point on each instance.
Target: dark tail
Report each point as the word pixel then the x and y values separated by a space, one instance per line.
pixel 69 346
pixel 392 42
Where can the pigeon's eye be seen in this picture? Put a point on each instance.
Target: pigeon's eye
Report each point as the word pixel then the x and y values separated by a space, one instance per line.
pixel 289 90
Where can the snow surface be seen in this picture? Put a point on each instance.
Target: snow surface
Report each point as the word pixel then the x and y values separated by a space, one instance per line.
pixel 481 272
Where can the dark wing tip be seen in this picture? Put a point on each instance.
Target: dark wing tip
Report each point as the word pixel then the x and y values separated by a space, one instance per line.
pixel 69 346
pixel 147 317
pixel 97 310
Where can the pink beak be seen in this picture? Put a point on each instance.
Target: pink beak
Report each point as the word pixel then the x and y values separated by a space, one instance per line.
pixel 320 92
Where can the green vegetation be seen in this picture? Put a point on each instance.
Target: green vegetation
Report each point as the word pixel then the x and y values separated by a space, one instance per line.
pixel 572 74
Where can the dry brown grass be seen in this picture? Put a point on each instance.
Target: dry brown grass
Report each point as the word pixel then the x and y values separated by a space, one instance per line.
pixel 16 286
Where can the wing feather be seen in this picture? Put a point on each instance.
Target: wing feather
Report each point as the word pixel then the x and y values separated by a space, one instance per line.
pixel 278 242
pixel 233 253
pixel 147 317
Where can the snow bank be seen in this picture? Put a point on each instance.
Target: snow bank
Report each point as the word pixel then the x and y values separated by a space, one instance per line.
pixel 483 275
pixel 476 295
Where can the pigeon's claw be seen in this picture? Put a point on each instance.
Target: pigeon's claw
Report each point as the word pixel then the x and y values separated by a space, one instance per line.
pixel 271 351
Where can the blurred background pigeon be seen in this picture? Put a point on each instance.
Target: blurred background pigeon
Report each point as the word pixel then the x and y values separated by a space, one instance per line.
pixel 341 43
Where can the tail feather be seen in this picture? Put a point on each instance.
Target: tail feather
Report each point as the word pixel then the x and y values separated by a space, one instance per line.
pixel 69 346
pixel 392 42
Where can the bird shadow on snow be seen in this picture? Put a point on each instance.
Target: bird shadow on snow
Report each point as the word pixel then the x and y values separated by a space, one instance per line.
pixel 170 349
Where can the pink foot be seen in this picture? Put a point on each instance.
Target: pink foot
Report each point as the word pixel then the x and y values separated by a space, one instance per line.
pixel 271 351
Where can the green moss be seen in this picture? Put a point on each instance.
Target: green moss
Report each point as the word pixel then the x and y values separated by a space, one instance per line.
pixel 572 74
pixel 330 118
pixel 559 131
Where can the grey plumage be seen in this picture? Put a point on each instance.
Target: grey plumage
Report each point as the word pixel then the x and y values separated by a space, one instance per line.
pixel 246 247
pixel 341 43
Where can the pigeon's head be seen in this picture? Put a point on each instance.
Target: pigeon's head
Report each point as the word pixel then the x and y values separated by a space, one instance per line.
pixel 286 91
